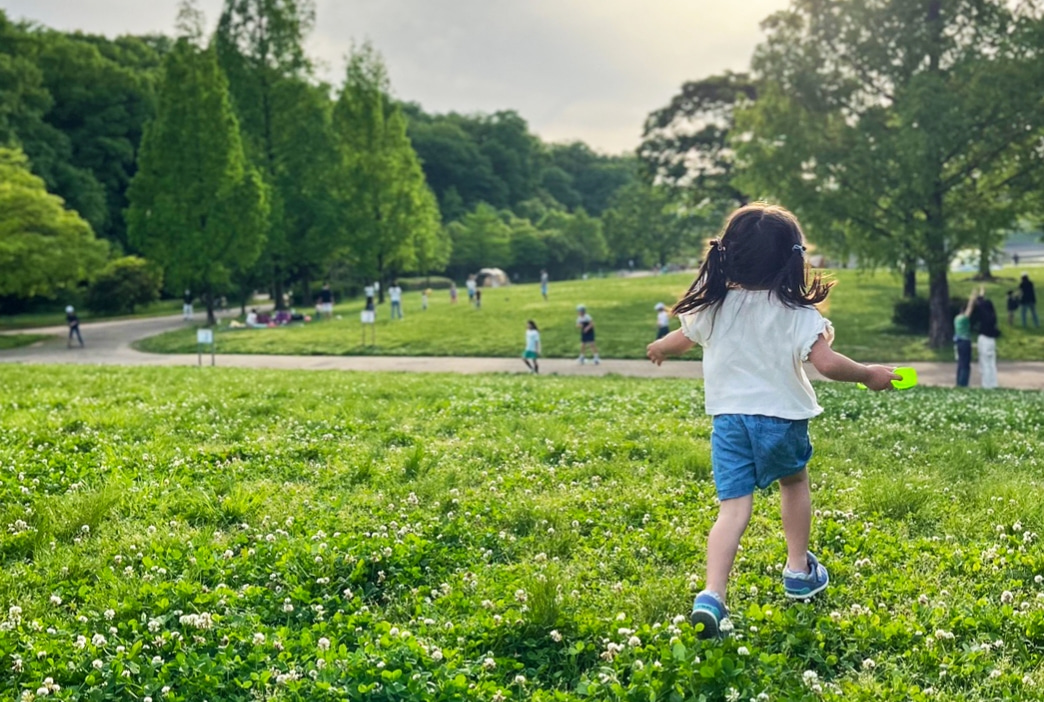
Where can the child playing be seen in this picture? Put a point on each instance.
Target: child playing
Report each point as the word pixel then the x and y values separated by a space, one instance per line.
pixel 424 299
pixel 532 352
pixel 752 310
pixel 663 321
pixel 587 335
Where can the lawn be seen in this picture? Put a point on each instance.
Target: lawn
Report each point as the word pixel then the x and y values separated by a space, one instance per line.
pixel 14 341
pixel 231 535
pixel 860 307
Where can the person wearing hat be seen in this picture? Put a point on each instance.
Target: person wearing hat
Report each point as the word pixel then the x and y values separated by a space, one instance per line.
pixel 1028 299
pixel 663 321
pixel 587 335
pixel 74 325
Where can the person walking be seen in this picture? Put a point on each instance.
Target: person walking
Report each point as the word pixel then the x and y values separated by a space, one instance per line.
pixel 186 307
pixel 1028 299
pixel 395 295
pixel 962 344
pixel 532 353
pixel 663 320
pixel 984 317
pixel 453 293
pixel 472 286
pixel 587 335
pixel 326 302
pixel 74 326
pixel 752 309
pixel 543 283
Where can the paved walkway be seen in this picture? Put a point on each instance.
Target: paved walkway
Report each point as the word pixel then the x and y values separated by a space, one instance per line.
pixel 109 343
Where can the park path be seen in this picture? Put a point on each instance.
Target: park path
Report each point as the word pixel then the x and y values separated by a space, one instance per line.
pixel 109 343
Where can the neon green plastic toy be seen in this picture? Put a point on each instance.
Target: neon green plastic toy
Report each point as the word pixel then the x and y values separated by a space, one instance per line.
pixel 907 379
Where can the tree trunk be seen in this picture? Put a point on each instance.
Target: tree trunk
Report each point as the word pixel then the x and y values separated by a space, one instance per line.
pixel 985 254
pixel 211 318
pixel 277 293
pixel 910 278
pixel 380 278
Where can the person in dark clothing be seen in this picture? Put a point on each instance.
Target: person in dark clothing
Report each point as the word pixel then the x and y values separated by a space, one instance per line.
pixel 984 318
pixel 326 302
pixel 186 307
pixel 1028 299
pixel 1013 306
pixel 74 325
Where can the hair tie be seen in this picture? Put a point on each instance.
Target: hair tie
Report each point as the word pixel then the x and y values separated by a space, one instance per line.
pixel 799 247
pixel 717 245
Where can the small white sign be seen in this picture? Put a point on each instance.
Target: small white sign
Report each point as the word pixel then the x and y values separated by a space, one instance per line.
pixel 204 336
pixel 368 317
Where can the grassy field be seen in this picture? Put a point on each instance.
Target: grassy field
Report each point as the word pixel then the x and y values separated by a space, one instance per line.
pixel 57 318
pixel 14 341
pixel 233 535
pixel 860 307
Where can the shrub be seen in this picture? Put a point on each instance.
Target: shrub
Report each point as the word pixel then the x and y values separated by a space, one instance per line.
pixel 421 282
pixel 123 284
pixel 912 313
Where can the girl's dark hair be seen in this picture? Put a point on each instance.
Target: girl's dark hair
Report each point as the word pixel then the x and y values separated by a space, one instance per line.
pixel 533 324
pixel 761 247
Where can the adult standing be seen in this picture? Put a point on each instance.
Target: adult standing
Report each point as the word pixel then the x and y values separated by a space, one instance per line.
pixel 1028 299
pixel 985 318
pixel 395 295
pixel 368 291
pixel 326 301
pixel 587 335
pixel 186 307
pixel 962 343
pixel 543 282
pixel 74 326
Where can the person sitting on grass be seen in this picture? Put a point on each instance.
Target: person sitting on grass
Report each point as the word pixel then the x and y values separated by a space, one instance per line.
pixel 532 352
pixel 752 309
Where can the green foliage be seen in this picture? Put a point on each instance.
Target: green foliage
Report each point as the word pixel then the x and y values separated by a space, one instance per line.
pixel 44 248
pixel 480 239
pixel 650 225
pixel 124 284
pixel 913 313
pixel 197 208
pixel 441 547
pixel 575 243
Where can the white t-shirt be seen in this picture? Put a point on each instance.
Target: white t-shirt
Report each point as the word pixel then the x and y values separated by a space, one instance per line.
pixel 395 293
pixel 752 354
pixel 368 291
pixel 663 319
pixel 532 340
pixel 472 285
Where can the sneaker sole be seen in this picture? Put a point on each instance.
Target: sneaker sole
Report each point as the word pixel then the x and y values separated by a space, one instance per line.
pixel 710 624
pixel 807 595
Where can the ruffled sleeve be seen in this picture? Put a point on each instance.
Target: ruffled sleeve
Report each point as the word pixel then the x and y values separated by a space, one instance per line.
pixel 691 327
pixel 811 326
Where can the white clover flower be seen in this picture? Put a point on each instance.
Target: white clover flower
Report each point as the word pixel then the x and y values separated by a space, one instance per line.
pixel 869 664
pixel 97 664
pixel 109 614
pixel 157 660
pixel 1007 597
pixel 489 663
pixel 1038 579
pixel 98 640
pixel 259 638
pixel 520 679
pixel 56 600
pixel 732 695
pixel 743 651
pixel 436 655
pixel 323 644
pixel 555 636
pixel 634 641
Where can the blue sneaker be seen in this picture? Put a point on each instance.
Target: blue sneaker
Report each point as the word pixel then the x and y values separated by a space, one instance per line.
pixel 708 610
pixel 801 586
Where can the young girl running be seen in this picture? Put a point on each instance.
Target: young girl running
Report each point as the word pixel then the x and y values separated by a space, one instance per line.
pixel 532 352
pixel 752 310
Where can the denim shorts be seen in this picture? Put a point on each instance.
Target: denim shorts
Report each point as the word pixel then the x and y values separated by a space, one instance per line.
pixel 751 451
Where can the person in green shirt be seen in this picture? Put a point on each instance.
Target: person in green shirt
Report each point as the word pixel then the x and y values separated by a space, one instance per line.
pixel 962 342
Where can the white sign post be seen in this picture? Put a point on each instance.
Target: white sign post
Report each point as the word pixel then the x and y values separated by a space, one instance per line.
pixel 369 318
pixel 203 337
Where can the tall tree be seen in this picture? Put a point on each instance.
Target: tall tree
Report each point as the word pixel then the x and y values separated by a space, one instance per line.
pixel 44 248
pixel 899 127
pixel 574 242
pixel 197 207
pixel 385 202
pixel 481 238
pixel 260 44
pixel 651 224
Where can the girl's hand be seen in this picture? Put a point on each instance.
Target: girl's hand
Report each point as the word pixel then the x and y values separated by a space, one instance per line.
pixel 655 352
pixel 880 378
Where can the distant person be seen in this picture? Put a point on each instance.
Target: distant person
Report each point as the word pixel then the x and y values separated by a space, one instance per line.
pixel 962 342
pixel 1015 259
pixel 472 287
pixel 1028 299
pixel 453 293
pixel 395 295
pixel 585 323
pixel 368 292
pixel 186 307
pixel 752 309
pixel 543 283
pixel 74 326
pixel 326 302
pixel 424 299
pixel 253 320
pixel 532 353
pixel 984 317
pixel 663 321
pixel 478 298
pixel 1013 306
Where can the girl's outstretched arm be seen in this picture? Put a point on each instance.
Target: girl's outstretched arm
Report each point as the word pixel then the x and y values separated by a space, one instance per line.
pixel 836 366
pixel 674 344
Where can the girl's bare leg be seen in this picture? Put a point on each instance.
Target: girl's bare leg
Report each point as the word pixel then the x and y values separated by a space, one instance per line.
pixel 724 540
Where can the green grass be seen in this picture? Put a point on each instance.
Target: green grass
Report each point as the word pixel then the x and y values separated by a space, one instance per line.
pixel 241 535
pixel 14 341
pixel 860 307
pixel 57 317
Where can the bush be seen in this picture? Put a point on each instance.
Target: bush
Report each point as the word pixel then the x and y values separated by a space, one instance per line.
pixel 123 284
pixel 420 283
pixel 912 313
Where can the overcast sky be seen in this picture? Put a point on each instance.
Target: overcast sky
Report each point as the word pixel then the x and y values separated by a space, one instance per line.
pixel 575 69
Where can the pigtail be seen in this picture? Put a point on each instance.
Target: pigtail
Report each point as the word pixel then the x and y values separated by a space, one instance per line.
pixel 711 284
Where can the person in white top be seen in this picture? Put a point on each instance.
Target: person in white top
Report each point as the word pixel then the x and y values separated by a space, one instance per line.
pixel 395 295
pixel 752 309
pixel 532 353
pixel 663 321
